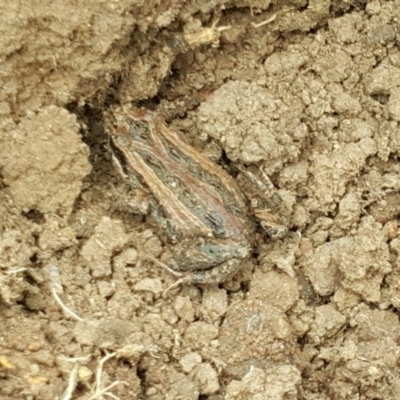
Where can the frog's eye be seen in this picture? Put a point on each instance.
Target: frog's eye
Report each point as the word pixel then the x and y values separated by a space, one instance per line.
pixel 139 130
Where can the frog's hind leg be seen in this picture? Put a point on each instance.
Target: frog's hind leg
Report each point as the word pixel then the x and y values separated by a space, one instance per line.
pixel 217 274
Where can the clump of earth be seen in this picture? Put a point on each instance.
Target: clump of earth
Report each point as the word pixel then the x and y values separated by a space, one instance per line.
pixel 308 93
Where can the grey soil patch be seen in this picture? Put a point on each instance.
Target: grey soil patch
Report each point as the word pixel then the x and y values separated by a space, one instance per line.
pixel 310 92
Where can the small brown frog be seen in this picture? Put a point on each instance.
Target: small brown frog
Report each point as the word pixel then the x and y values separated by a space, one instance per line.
pixel 198 205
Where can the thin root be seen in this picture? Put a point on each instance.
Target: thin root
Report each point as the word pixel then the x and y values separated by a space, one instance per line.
pixel 63 306
pixel 98 391
pixel 267 21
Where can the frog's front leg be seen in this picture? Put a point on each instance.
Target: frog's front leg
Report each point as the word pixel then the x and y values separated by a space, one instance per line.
pixel 264 200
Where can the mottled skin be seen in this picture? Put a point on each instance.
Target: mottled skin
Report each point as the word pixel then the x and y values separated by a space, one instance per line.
pixel 198 206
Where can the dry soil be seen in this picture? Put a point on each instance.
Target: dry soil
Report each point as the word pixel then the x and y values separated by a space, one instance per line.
pixel 307 90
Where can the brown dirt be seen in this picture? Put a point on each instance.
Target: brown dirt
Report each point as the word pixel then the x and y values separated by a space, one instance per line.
pixel 312 95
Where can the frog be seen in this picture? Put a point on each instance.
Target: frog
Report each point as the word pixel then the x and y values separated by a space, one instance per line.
pixel 202 213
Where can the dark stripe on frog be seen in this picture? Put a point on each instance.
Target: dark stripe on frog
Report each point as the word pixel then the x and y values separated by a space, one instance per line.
pixel 173 145
pixel 200 159
pixel 203 170
pixel 221 214
pixel 174 209
pixel 209 215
